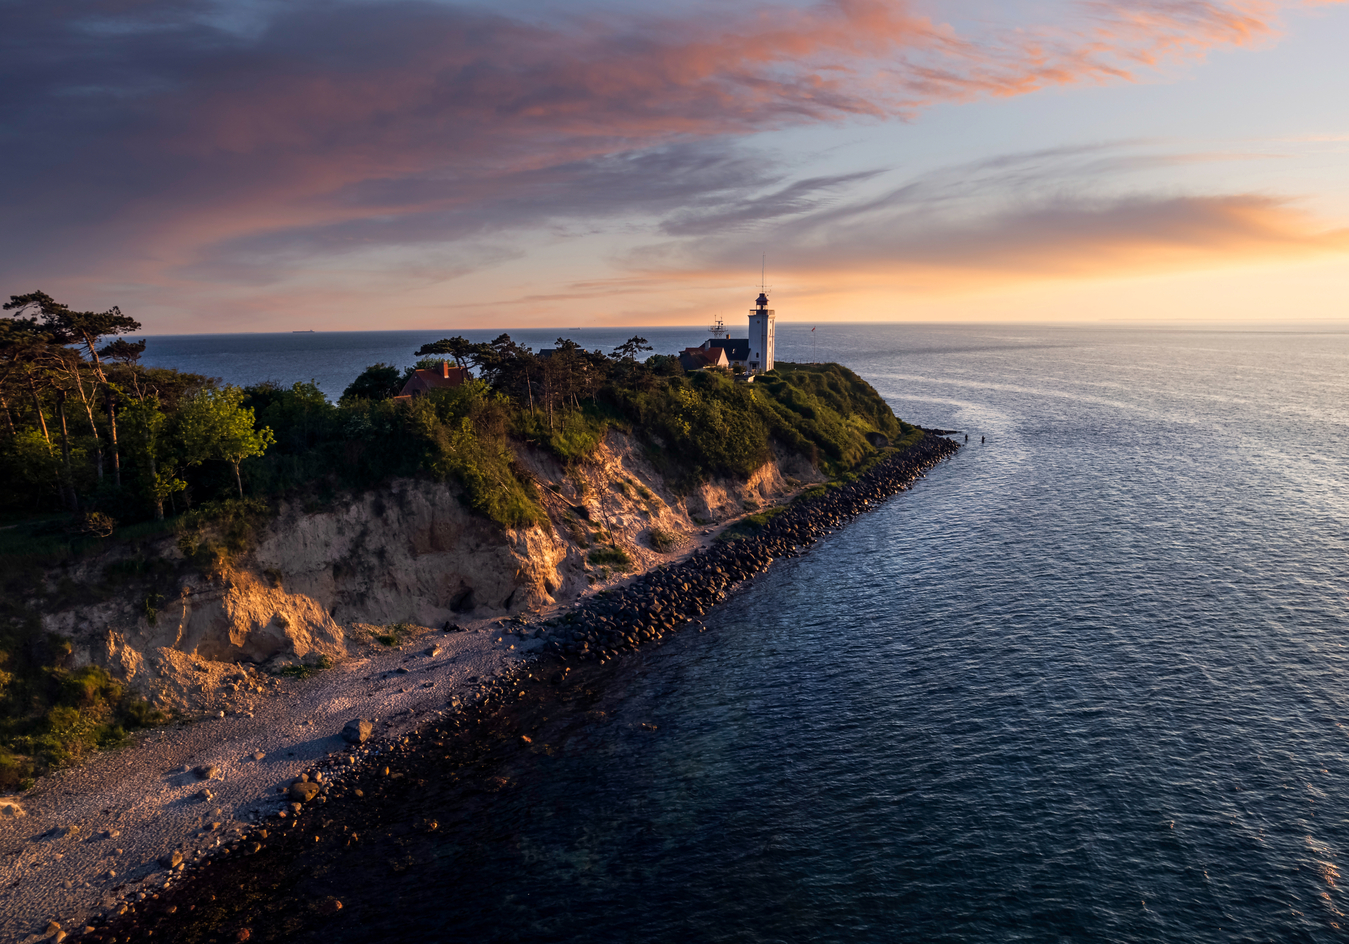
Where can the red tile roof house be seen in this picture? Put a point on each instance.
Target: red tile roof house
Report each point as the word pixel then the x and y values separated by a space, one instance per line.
pixel 696 358
pixel 436 378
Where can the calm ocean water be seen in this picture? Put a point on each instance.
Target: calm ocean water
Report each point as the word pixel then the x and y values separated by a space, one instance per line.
pixel 1089 681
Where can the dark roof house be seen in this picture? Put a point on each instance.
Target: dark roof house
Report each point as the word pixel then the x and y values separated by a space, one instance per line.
pixel 436 378
pixel 696 358
pixel 737 349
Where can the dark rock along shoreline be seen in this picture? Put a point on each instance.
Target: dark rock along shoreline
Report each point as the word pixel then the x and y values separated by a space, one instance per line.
pixel 664 599
pixel 290 872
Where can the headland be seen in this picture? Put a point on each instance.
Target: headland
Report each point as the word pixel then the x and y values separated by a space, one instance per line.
pixel 513 539
pixel 219 796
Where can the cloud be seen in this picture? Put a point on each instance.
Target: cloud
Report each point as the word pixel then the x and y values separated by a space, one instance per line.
pixel 1055 214
pixel 184 141
pixel 1143 234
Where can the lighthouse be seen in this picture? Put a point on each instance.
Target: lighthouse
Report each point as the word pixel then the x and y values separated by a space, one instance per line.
pixel 761 335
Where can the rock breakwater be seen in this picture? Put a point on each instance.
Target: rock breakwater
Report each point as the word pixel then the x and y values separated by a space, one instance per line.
pixel 663 600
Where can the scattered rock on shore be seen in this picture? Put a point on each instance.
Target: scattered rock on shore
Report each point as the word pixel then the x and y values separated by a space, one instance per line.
pixel 303 791
pixel 357 731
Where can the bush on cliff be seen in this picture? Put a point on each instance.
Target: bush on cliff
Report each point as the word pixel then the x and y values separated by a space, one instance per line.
pixel 705 423
pixel 460 434
pixel 52 717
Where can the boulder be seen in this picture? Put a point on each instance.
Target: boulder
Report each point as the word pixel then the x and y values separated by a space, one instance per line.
pixel 303 791
pixel 171 860
pixel 357 731
pixel 206 771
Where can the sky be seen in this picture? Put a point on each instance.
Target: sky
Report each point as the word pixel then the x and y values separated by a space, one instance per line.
pixel 277 165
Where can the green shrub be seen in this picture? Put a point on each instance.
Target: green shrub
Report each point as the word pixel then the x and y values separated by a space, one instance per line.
pixel 305 670
pixel 614 557
pixel 575 435
pixel 85 710
pixel 663 541
pixel 465 429
pixel 749 525
pixel 15 770
pixel 395 634
pixel 215 535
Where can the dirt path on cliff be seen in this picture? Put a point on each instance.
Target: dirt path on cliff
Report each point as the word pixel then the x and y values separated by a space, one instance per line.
pixel 89 835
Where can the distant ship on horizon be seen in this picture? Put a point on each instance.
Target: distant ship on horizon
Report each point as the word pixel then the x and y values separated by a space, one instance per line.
pixel 304 331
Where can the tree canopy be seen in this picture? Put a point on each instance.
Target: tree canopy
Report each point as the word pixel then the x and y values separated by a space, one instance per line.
pixel 376 382
pixel 215 424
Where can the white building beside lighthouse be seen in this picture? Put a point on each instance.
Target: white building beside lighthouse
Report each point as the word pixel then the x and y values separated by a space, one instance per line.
pixel 755 353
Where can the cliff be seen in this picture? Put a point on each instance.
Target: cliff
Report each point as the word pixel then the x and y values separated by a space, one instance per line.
pixel 317 583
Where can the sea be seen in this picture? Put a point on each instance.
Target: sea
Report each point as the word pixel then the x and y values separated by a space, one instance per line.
pixel 1087 681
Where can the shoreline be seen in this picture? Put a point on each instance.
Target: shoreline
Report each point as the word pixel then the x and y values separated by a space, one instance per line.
pixel 467 675
pixel 662 599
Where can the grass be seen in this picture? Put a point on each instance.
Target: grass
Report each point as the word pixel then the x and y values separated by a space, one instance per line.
pixel 663 541
pixel 815 491
pixel 614 557
pixel 306 669
pixel 749 525
pixel 86 710
pixel 395 634
pixel 574 436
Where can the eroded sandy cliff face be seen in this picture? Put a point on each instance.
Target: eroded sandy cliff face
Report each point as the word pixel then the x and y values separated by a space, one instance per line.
pixel 315 581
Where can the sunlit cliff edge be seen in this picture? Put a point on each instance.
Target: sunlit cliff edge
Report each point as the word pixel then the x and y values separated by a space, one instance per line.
pixel 313 584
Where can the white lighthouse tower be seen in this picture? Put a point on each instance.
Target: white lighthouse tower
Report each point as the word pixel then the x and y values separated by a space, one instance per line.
pixel 761 336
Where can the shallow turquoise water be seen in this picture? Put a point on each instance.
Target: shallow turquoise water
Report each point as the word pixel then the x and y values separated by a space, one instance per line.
pixel 1086 682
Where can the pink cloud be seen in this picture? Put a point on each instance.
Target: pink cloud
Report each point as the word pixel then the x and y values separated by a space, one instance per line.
pixel 163 147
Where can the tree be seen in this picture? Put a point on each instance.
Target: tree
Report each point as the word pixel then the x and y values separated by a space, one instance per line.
pixel 147 424
pixel 461 349
pixel 214 424
pixel 31 364
pixel 376 382
pixel 123 351
pixel 629 349
pixel 81 329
